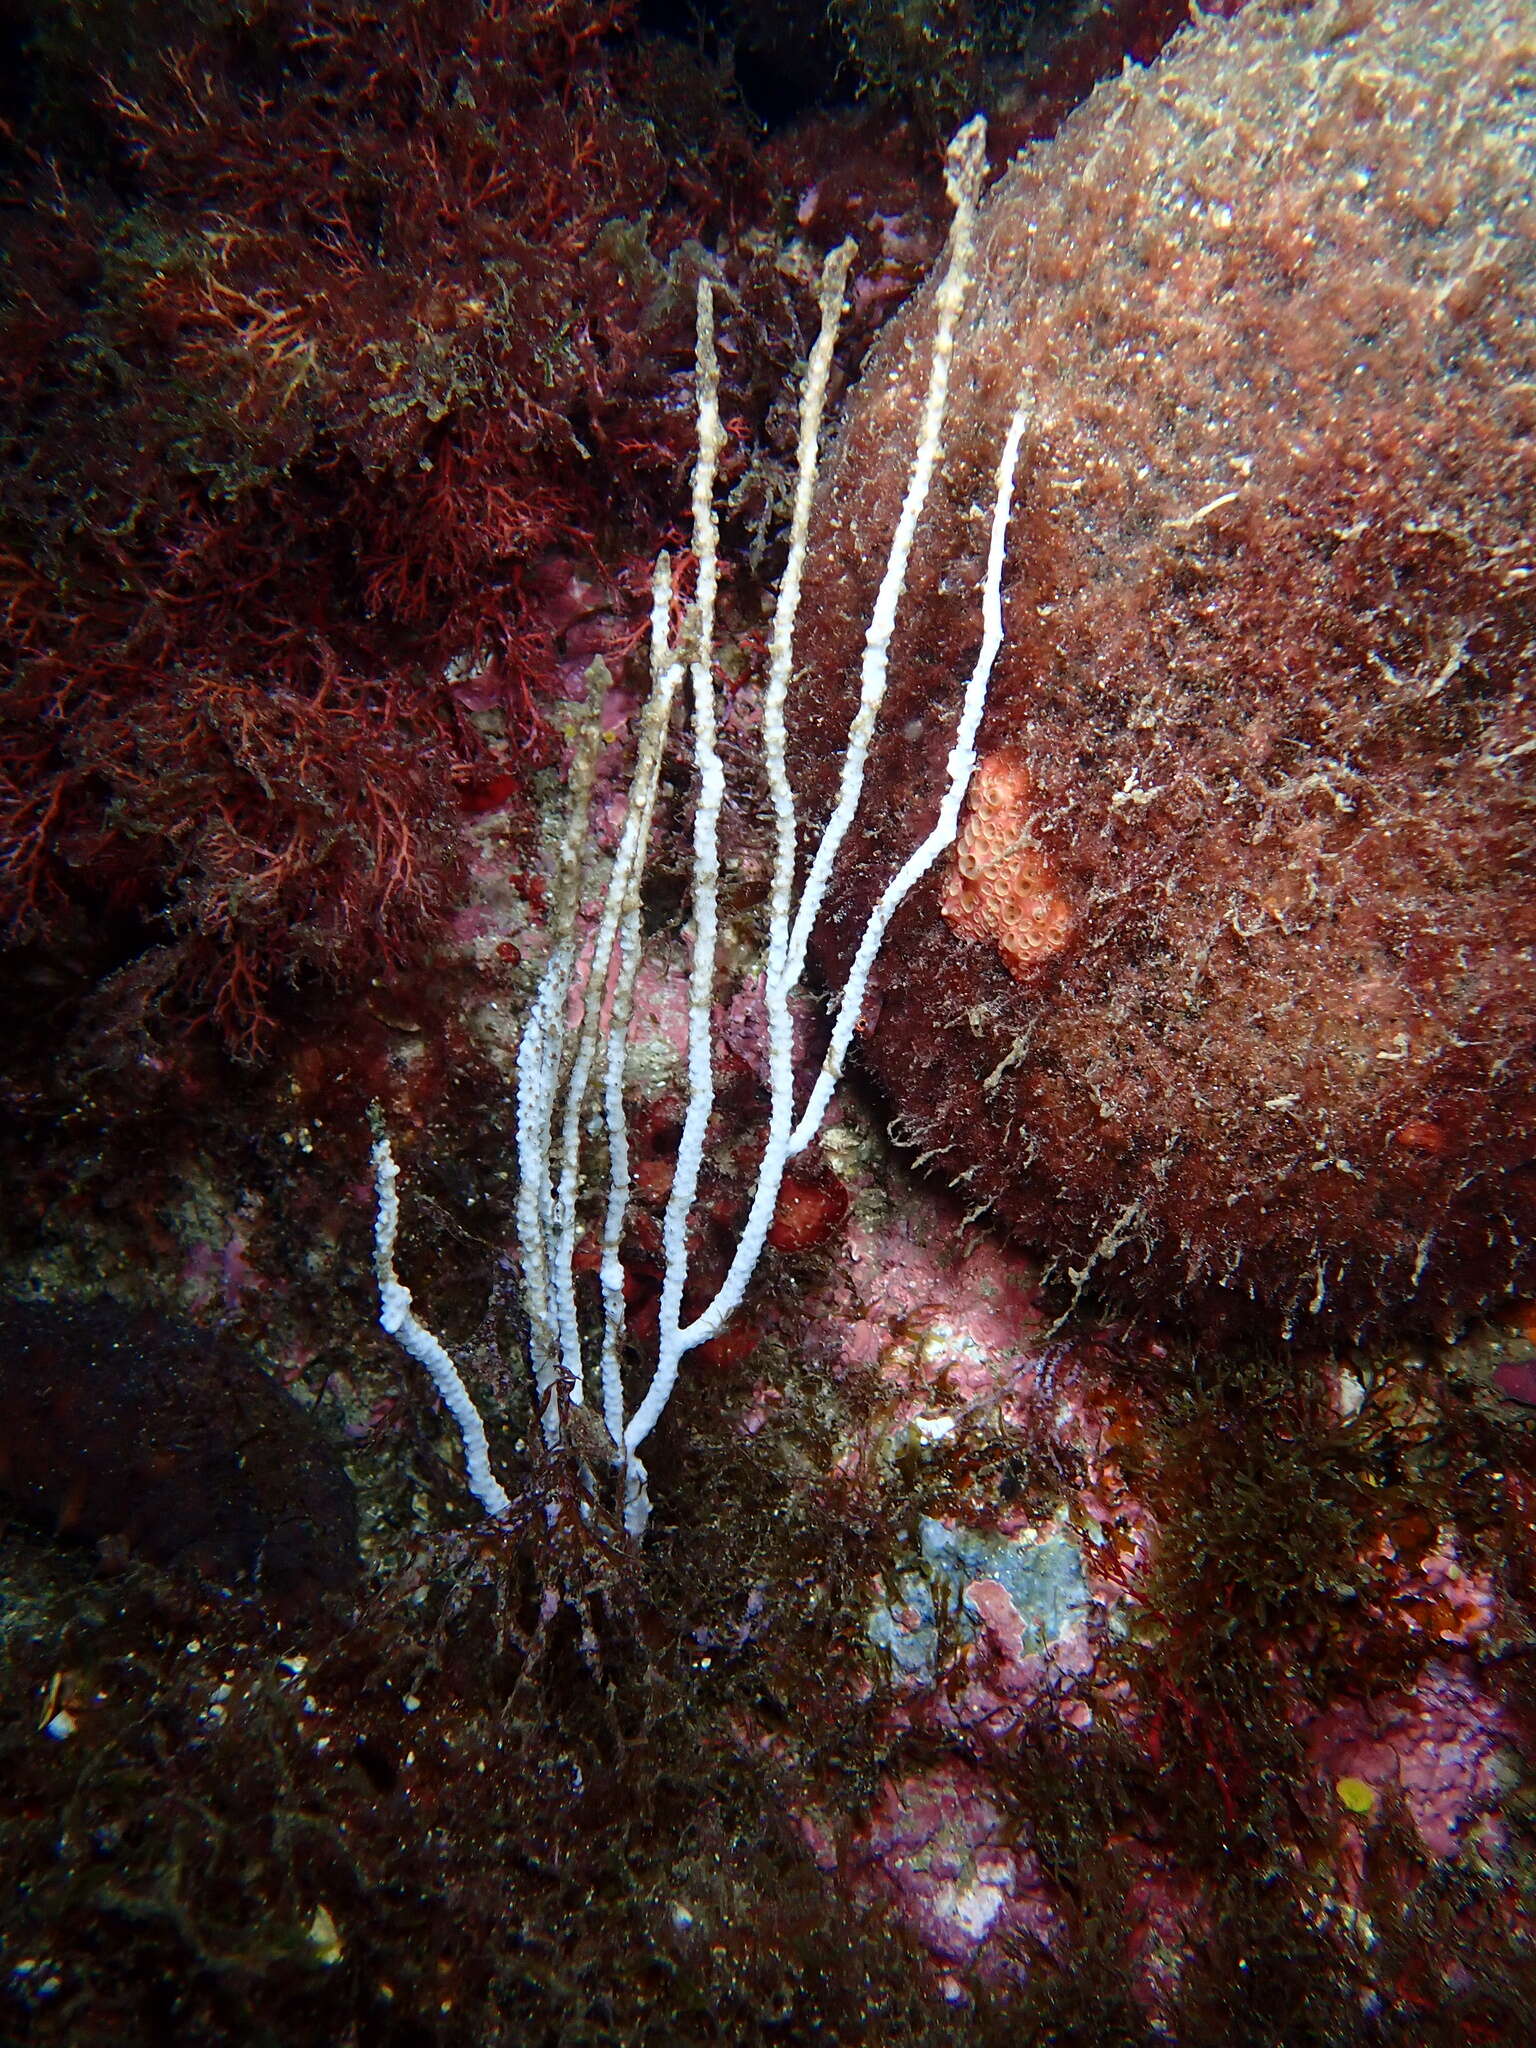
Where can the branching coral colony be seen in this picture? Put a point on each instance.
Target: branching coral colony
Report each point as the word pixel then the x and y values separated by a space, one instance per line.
pixel 570 1066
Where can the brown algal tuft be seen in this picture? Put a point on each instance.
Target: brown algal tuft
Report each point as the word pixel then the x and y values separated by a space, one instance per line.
pixel 1271 614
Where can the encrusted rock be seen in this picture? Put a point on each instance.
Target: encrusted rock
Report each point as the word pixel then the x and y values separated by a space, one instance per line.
pixel 124 1425
pixel 1263 727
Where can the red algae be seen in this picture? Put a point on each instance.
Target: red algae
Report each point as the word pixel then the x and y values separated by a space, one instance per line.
pixel 325 336
pixel 1266 681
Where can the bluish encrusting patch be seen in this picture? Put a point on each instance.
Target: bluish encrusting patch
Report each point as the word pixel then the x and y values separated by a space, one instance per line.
pixel 1042 1576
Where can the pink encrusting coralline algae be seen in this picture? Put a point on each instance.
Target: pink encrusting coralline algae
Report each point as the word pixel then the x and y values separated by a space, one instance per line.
pixel 1002 1627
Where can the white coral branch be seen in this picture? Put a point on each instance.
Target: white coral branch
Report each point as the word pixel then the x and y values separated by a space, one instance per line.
pixel 577 1025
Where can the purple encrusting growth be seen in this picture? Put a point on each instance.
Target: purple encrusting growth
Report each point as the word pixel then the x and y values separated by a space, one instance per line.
pixel 1270 626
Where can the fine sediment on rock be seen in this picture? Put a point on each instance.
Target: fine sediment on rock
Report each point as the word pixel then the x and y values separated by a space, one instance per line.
pixel 1227 1002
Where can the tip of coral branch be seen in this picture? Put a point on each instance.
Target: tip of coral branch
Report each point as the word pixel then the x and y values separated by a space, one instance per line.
pixel 965 162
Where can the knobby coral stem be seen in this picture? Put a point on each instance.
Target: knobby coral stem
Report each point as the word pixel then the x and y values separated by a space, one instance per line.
pixel 577 1025
pixel 396 1318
